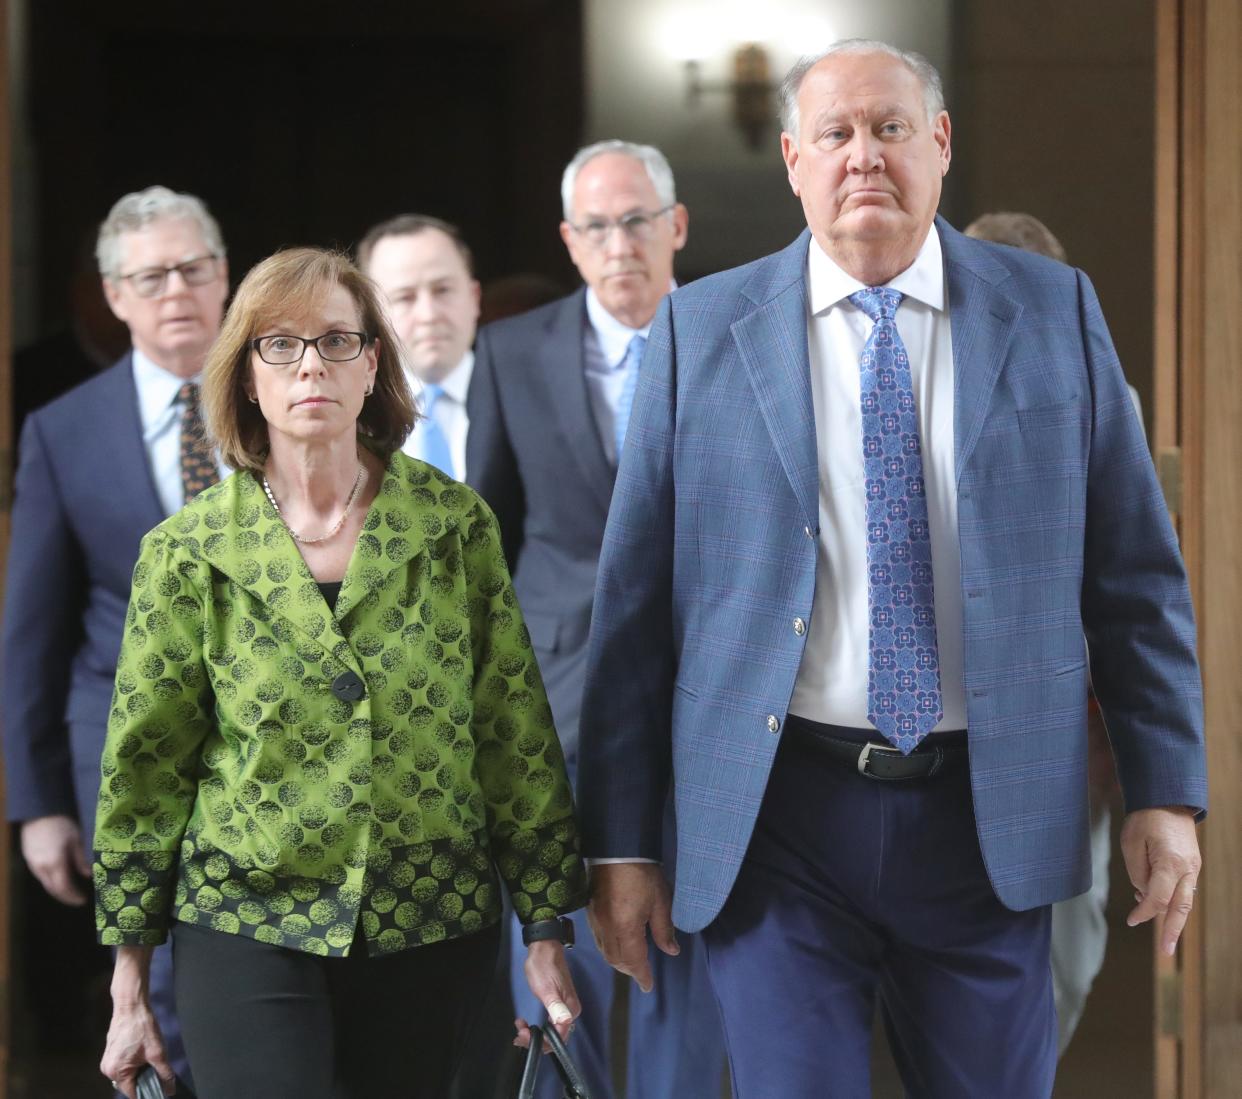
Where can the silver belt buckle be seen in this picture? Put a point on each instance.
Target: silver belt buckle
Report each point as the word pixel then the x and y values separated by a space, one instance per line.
pixel 865 755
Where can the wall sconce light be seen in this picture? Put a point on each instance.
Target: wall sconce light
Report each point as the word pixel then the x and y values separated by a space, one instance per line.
pixel 751 89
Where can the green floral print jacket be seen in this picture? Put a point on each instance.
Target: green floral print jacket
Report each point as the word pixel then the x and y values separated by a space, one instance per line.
pixel 280 770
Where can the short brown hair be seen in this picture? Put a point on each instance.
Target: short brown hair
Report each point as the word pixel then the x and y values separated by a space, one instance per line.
pixel 1023 231
pixel 407 225
pixel 299 278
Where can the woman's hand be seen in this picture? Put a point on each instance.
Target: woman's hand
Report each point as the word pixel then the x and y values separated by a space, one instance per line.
pixel 547 973
pixel 134 1036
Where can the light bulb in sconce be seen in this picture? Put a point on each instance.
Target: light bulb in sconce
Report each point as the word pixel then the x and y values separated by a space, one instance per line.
pixel 750 89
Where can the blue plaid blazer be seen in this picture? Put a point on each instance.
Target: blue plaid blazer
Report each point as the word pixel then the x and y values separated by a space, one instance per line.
pixel 710 555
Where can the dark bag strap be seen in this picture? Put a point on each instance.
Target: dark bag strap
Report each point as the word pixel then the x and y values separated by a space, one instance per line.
pixel 575 1085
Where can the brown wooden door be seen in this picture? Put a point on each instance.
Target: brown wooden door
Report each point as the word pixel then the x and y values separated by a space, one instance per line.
pixel 1198 436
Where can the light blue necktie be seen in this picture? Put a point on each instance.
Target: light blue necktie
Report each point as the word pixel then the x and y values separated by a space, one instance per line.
pixel 633 360
pixel 903 683
pixel 436 448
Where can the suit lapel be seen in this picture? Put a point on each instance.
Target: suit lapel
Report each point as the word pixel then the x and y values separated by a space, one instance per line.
pixel 132 467
pixel 983 320
pixel 773 347
pixel 564 372
pixel 236 530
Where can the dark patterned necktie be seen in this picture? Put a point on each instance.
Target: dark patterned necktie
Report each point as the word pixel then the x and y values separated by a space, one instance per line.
pixel 198 466
pixel 903 687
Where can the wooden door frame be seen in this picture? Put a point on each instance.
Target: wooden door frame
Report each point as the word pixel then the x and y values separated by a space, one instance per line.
pixel 1198 438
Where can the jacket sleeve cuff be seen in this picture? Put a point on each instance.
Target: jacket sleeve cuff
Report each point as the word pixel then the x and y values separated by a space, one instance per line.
pixel 133 896
pixel 542 868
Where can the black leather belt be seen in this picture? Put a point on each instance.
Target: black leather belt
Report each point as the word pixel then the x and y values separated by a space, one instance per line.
pixel 880 760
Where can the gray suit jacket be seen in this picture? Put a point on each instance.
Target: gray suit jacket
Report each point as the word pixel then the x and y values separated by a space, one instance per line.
pixel 535 455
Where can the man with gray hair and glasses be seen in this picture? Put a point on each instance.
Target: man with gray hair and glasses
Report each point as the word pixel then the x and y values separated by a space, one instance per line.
pixel 877 490
pixel 549 406
pixel 98 468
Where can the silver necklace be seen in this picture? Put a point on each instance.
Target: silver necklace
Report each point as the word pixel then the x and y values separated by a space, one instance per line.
pixel 349 506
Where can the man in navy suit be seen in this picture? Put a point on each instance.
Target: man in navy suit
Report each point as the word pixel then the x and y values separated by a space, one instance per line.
pixel 876 490
pixel 549 403
pixel 98 468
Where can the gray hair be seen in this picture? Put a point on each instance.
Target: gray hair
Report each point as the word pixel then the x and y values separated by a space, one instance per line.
pixel 928 77
pixel 138 209
pixel 652 160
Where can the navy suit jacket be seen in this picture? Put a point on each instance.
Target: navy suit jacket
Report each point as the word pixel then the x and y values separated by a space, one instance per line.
pixel 535 455
pixel 84 499
pixel 709 558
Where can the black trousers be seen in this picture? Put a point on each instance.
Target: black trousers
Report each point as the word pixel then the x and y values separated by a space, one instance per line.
pixel 264 1022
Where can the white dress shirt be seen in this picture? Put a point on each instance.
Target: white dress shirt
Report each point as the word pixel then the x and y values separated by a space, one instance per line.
pixel 159 412
pixel 604 345
pixel 831 686
pixel 449 413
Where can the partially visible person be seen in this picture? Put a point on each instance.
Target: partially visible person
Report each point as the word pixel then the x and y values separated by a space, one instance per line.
pixel 55 982
pixel 329 733
pixel 98 467
pixel 1018 230
pixel 426 271
pixel 549 406
pixel 1079 926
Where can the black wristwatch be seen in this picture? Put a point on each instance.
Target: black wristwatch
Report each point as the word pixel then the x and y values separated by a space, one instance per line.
pixel 561 930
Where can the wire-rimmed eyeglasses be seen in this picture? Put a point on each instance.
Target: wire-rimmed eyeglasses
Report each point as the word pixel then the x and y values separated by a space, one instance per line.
pixel 639 225
pixel 149 282
pixel 332 347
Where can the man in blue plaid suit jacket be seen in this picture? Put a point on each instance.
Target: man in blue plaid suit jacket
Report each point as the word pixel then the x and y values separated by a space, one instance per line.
pixel 826 868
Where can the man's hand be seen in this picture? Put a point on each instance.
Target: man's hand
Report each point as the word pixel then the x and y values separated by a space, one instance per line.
pixel 626 899
pixel 52 848
pixel 1161 852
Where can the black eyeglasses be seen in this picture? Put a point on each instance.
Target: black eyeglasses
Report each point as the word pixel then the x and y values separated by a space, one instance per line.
pixel 332 347
pixel 637 226
pixel 150 281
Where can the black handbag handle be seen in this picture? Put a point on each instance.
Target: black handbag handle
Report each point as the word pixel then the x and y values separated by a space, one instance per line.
pixel 575 1085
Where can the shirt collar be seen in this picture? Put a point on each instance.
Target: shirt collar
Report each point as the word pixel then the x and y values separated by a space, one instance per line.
pixel 456 384
pixel 157 388
pixel 614 337
pixel 923 280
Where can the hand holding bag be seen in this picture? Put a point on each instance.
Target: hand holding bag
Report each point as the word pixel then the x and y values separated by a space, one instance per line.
pixel 575 1085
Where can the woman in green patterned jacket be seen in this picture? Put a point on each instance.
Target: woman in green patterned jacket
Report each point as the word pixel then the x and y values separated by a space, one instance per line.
pixel 329 741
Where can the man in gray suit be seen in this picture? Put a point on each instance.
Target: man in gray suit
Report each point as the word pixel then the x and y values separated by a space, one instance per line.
pixel 548 408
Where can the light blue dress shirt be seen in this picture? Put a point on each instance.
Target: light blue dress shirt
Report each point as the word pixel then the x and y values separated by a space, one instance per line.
pixel 604 343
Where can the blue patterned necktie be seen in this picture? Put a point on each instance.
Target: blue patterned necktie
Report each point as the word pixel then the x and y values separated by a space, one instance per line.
pixel 903 682
pixel 436 448
pixel 633 360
